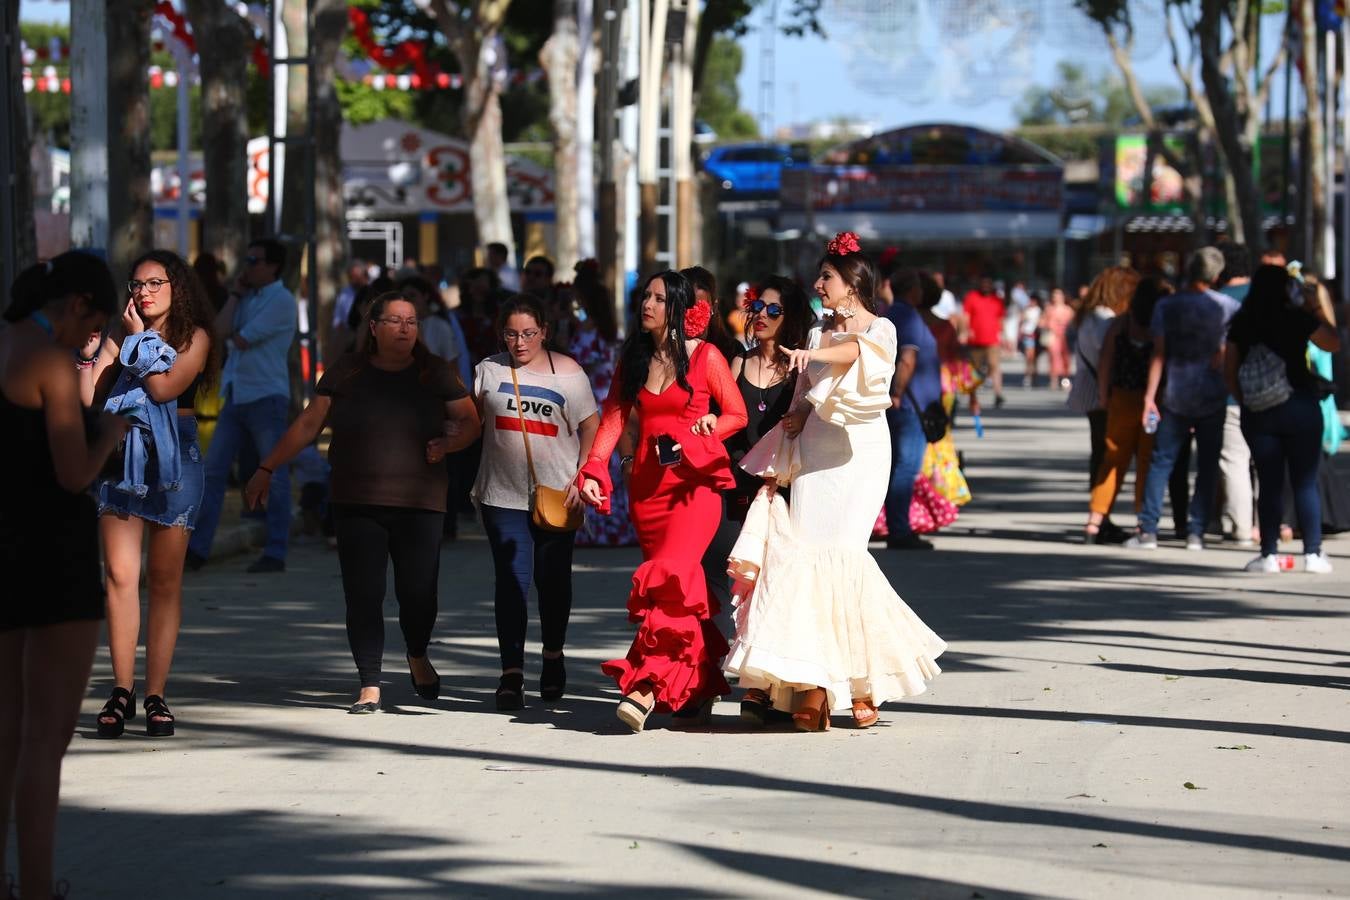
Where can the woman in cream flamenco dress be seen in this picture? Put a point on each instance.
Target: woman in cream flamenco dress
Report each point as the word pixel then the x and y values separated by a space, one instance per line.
pixel 822 628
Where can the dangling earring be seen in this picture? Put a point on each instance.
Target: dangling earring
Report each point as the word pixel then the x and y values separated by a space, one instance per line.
pixel 846 312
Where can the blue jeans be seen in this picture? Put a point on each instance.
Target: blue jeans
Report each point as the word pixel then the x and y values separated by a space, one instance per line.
pixel 1174 433
pixel 908 445
pixel 1289 433
pixel 521 554
pixel 263 421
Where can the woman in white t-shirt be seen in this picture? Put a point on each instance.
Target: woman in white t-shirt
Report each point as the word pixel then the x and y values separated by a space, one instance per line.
pixel 556 413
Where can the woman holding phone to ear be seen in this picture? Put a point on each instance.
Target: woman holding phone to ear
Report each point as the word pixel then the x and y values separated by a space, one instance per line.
pixel 670 377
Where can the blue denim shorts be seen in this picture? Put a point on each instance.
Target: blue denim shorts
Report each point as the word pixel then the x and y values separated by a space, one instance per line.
pixel 173 508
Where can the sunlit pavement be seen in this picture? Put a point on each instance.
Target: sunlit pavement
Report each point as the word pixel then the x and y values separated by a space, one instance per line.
pixel 1107 724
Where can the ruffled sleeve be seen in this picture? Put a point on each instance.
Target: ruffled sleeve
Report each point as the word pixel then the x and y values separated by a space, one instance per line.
pixel 845 394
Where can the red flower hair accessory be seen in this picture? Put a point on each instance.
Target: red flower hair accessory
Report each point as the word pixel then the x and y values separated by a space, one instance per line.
pixel 589 264
pixel 696 319
pixel 751 295
pixel 844 243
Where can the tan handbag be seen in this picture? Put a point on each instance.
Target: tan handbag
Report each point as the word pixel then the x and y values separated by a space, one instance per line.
pixel 548 510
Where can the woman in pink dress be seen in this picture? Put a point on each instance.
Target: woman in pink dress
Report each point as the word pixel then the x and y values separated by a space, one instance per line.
pixel 678 472
pixel 1056 321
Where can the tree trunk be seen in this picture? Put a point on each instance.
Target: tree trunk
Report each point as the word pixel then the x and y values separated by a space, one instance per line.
pixel 1230 127
pixel 24 236
pixel 586 77
pixel 298 176
pixel 559 59
pixel 223 40
pixel 130 210
pixel 1314 151
pixel 487 158
pixel 330 224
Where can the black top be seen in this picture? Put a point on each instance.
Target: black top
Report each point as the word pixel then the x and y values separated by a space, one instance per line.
pixel 1286 335
pixel 1129 368
pixel 775 401
pixel 188 398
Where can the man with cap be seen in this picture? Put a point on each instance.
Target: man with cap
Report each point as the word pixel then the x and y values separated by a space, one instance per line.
pixel 1188 328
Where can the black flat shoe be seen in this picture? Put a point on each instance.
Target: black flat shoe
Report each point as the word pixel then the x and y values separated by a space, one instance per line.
pixel 552 679
pixel 511 692
pixel 430 690
pixel 158 720
pixel 364 709
pixel 121 706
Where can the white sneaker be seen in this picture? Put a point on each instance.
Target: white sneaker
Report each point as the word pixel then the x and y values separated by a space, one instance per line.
pixel 1142 541
pixel 1317 563
pixel 1195 542
pixel 1269 564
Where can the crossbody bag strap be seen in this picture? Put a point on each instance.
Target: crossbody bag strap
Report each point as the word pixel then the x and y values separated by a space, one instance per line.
pixel 524 429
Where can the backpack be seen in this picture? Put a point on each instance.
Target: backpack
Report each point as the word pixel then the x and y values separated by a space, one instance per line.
pixel 1264 379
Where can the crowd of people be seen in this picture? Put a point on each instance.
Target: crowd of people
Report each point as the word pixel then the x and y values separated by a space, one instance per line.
pixel 722 435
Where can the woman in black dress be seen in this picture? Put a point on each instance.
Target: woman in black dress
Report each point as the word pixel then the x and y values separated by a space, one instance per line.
pixel 53 598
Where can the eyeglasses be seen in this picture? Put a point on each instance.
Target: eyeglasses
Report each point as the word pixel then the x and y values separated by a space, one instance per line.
pixel 526 336
pixel 772 310
pixel 153 285
pixel 396 322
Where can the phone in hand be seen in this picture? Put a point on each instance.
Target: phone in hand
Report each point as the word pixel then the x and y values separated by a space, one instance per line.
pixel 667 451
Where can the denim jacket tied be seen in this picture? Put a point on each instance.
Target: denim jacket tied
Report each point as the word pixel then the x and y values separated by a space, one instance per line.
pixel 153 435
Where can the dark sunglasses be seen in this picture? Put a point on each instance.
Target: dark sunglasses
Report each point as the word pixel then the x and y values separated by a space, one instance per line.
pixel 253 260
pixel 772 310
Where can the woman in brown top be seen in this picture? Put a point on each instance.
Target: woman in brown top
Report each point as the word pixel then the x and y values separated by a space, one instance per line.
pixel 395 411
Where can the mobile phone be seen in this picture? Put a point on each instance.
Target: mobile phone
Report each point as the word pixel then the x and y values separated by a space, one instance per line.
pixel 667 451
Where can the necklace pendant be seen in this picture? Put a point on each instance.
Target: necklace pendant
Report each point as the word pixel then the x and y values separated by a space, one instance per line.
pixel 762 406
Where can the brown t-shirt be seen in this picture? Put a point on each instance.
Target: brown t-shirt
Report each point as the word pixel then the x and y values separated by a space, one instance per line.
pixel 381 423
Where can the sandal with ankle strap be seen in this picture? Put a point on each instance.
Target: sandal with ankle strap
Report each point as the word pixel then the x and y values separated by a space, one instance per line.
pixel 121 707
pixel 158 720
pixel 553 678
pixel 869 712
pixel 634 714
pixel 813 713
pixel 511 692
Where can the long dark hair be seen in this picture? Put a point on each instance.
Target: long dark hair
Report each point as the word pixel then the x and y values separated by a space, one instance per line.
pixel 1265 302
pixel 717 334
pixel 638 348
pixel 798 316
pixel 189 310
pixel 367 346
pixel 1147 293
pixel 857 271
pixel 73 272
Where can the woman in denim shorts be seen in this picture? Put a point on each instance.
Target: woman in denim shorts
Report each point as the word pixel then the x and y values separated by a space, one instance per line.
pixel 149 371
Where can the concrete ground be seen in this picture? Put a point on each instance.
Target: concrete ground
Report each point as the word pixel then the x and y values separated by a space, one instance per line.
pixel 1107 724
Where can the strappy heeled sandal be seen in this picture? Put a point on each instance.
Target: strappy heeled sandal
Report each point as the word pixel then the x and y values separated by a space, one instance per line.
pixel 694 713
pixel 552 678
pixel 755 707
pixel 869 716
pixel 634 714
pixel 511 692
pixel 158 720
pixel 121 707
pixel 813 713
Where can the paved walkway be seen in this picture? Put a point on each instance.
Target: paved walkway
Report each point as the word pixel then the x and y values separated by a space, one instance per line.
pixel 1108 724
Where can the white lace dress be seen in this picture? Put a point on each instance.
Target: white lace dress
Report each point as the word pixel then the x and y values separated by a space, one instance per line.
pixel 821 612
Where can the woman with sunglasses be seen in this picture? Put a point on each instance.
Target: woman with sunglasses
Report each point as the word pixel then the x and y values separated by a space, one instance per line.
pixel 538 415
pixel 778 315
pixel 396 410
pixel 671 378
pixel 150 371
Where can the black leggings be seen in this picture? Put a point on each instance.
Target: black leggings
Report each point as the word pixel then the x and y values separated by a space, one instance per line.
pixel 521 554
pixel 368 538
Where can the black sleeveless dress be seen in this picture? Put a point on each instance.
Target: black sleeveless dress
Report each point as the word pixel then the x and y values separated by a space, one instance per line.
pixel 48 536
pixel 764 407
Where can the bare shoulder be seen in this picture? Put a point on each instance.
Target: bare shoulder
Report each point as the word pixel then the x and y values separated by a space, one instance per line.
pixel 566 365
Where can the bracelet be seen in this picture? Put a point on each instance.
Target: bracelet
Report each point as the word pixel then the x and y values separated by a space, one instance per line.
pixel 265 469
pixel 624 461
pixel 87 360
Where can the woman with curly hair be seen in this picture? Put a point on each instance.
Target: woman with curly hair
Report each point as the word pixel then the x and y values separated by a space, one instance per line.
pixel 824 630
pixel 671 377
pixel 150 371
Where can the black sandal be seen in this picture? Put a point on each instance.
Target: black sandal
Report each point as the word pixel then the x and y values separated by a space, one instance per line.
pixel 428 691
pixel 121 706
pixel 158 720
pixel 511 692
pixel 553 679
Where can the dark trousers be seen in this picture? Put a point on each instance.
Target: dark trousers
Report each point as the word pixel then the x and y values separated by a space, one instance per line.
pixel 1289 434
pixel 368 537
pixel 1097 435
pixel 908 445
pixel 523 554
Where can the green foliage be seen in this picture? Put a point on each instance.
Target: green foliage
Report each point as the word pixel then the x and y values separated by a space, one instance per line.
pixel 1079 96
pixel 362 104
pixel 719 101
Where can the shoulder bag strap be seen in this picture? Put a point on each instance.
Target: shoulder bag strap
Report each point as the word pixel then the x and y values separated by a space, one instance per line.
pixel 524 428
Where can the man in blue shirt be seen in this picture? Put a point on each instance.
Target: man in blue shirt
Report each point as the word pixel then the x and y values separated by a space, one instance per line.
pixel 1189 329
pixel 257 326
pixel 917 383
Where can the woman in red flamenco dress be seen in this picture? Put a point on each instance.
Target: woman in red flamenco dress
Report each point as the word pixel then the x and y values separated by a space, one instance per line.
pixel 678 473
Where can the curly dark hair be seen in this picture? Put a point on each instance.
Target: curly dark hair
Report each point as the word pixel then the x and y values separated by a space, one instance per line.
pixel 189 310
pixel 798 316
pixel 638 348
pixel 857 271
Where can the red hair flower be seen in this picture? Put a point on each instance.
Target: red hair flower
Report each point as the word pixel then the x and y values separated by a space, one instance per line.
pixel 844 243
pixel 696 319
pixel 751 295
